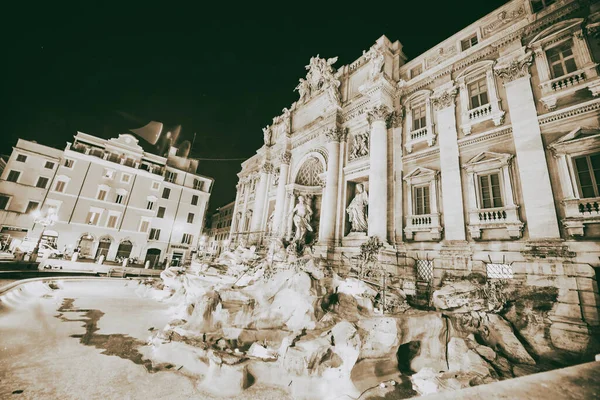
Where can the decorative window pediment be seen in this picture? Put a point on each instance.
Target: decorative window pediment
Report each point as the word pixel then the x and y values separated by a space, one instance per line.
pixel 564 62
pixel 479 96
pixel 423 215
pixel 491 202
pixel 419 119
pixel 579 140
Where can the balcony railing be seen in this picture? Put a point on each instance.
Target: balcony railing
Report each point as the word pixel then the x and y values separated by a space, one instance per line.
pixel 483 111
pixel 565 81
pixel 423 223
pixel 418 134
pixel 578 213
pixel 494 218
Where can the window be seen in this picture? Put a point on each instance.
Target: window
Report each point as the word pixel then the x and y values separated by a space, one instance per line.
pixel 419 117
pixel 588 175
pixel 421 200
pixel 155 185
pixel 21 157
pixel 149 205
pixel 112 221
pixel 170 176
pixel 194 200
pixel 60 186
pixel 102 194
pixel 561 59
pixel 166 193
pixel 49 165
pixel 197 184
pixel 13 176
pixel 154 234
pixel 539 5
pixel 468 42
pixel 416 71
pixel 93 217
pixel 125 178
pixel 478 95
pixel 69 163
pixel 186 238
pixel 190 218
pixel 161 212
pixel 108 173
pixel 144 225
pixel 32 206
pixel 491 196
pixel 119 199
pixel 4 199
pixel 42 182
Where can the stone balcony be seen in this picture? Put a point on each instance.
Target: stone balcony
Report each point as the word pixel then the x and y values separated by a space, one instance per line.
pixel 585 78
pixel 419 136
pixel 490 111
pixel 426 223
pixel 580 212
pixel 495 218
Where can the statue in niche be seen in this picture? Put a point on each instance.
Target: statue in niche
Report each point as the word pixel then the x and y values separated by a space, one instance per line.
pixel 302 214
pixel 357 210
pixel 360 147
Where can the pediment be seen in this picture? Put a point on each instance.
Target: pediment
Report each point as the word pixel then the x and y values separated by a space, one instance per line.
pixel 487 160
pixel 480 67
pixel 420 172
pixel 128 141
pixel 555 30
pixel 579 139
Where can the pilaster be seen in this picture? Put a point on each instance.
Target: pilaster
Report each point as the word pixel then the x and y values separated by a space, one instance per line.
pixel 328 215
pixel 284 166
pixel 378 193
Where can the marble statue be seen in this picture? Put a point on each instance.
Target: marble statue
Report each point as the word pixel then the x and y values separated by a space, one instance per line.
pixel 375 55
pixel 357 210
pixel 360 147
pixel 303 89
pixel 267 135
pixel 302 214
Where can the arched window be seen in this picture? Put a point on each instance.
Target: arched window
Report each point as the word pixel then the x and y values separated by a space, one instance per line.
pixel 308 175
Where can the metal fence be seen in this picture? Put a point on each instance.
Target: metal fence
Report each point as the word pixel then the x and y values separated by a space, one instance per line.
pixel 499 271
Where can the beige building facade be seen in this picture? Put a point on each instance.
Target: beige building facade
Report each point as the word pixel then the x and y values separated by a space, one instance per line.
pixel 217 235
pixel 110 197
pixel 480 155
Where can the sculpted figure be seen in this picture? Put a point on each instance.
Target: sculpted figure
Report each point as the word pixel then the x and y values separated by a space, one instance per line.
pixel 303 89
pixel 302 214
pixel 360 147
pixel 267 135
pixel 357 210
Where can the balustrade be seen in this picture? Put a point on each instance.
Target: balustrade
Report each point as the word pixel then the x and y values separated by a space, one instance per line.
pixel 565 81
pixel 483 111
pixel 418 134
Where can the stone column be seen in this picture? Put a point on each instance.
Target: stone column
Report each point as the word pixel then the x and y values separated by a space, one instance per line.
pixel 328 213
pixel 452 197
pixel 378 193
pixel 538 200
pixel 260 199
pixel 291 204
pixel 397 198
pixel 278 220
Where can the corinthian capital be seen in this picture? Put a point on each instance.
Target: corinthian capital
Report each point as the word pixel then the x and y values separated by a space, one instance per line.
pixel 515 69
pixel 378 113
pixel 285 157
pixel 266 168
pixel 395 119
pixel 444 99
pixel 336 134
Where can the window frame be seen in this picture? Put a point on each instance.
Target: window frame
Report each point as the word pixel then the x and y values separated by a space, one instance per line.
pixel 123 175
pixel 8 200
pixel 67 160
pixel 195 199
pixel 167 191
pixel 424 133
pixel 18 176
pixel 28 210
pixel 158 212
pixel 52 165
pixel 469 41
pixel 144 220
pixel 154 234
pixel 430 223
pixel 188 236
pixel 116 215
pixel 96 211
pixel 37 183
pixel 595 184
pixel 19 155
pixel 192 218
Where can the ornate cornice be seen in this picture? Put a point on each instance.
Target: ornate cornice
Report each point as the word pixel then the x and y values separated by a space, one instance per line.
pixel 336 134
pixel 573 111
pixel 444 99
pixel 378 113
pixel 515 69
pixel 285 157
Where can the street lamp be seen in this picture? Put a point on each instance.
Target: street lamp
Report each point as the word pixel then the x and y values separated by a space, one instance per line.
pixel 45 219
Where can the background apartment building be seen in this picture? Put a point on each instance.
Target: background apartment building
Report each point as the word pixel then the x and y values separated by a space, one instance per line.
pixel 217 235
pixel 111 198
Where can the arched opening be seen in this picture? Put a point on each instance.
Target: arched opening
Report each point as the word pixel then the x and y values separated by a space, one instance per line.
pixel 153 255
pixel 124 250
pixel 103 246
pixel 309 173
pixel 86 244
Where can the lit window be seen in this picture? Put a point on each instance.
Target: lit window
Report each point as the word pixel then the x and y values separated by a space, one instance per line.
pixel 154 234
pixel 13 176
pixel 60 186
pixel 93 217
pixel 69 163
pixel 21 157
pixel 190 218
pixel 166 193
pixel 42 182
pixel 562 59
pixel 491 196
pixel 32 206
pixel 49 165
pixel 186 238
pixel 119 199
pixel 419 117
pixel 144 225
pixel 421 200
pixel 539 5
pixel 478 95
pixel 112 221
pixel 468 42
pixel 588 175
pixel 194 200
pixel 4 201
pixel 161 212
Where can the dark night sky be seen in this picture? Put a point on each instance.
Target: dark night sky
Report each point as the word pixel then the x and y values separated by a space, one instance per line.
pixel 223 72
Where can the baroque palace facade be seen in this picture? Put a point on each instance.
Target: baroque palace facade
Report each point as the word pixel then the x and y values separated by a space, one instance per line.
pixel 480 155
pixel 110 198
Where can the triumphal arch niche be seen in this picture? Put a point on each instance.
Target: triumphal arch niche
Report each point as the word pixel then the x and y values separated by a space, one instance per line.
pixel 328 151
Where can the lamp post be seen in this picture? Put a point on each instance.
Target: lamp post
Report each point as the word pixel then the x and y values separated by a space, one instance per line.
pixel 46 219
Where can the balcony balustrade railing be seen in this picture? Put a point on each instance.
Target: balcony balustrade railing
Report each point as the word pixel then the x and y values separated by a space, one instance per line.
pixel 483 111
pixel 565 81
pixel 418 134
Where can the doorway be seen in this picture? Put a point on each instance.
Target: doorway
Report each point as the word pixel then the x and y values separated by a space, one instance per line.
pixel 124 250
pixel 152 255
pixel 103 247
pixel 86 243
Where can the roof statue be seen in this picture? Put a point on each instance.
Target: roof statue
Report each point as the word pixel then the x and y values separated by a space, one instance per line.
pixel 321 75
